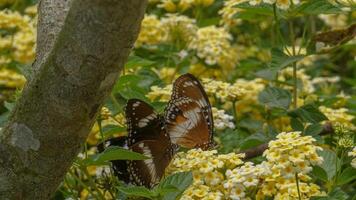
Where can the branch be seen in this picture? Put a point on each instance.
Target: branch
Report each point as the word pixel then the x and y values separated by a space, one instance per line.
pixel 51 16
pixel 258 151
pixel 60 102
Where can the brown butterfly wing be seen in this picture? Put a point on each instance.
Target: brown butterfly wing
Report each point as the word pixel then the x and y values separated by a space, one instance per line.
pixel 150 171
pixel 188 116
pixel 146 135
pixel 143 123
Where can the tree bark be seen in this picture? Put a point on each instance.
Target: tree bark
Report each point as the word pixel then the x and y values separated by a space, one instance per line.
pixel 79 59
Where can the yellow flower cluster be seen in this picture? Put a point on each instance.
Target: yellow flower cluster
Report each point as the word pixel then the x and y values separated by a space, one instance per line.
pixel 223 90
pixel 168 74
pixel 151 32
pixel 241 180
pixel 208 172
pixel 222 120
pixel 161 94
pixel 289 156
pixel 228 12
pixel 11 79
pixel 19 43
pixel 174 28
pixel 183 5
pixel 179 29
pixel 339 116
pixel 353 154
pixel 212 44
pixel 203 71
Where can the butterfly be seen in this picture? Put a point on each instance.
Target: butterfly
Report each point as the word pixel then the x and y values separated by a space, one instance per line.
pixel 146 135
pixel 187 122
pixel 188 116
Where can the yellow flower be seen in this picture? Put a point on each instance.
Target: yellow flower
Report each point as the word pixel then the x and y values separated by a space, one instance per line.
pixel 11 79
pixel 339 116
pixel 212 44
pixel 288 155
pixel 152 32
pixel 21 43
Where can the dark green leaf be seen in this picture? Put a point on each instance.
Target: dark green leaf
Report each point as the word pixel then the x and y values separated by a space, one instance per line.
pixel 320 173
pixel 113 153
pixel 9 106
pixel 251 125
pixel 275 97
pixel 137 191
pixel 329 164
pixel 253 140
pixel 261 9
pixel 128 86
pixel 317 7
pixel 313 129
pixel 268 73
pixel 281 60
pixel 308 113
pixel 296 124
pixel 336 194
pixel 180 180
pixel 135 61
pixel 111 129
pixel 348 175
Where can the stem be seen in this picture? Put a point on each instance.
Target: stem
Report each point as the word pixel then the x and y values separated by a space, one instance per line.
pixel 297 181
pixel 99 120
pixel 295 80
pixel 278 29
pixel 234 110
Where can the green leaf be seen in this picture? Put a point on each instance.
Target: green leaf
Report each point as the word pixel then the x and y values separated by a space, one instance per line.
pixel 126 81
pixel 275 97
pixel 320 173
pixel 113 153
pixel 348 175
pixel 111 129
pixel 268 73
pixel 129 87
pixel 251 124
pixel 9 105
pixel 136 61
pixel 317 7
pixel 180 180
pixel 313 129
pixel 329 164
pixel 296 124
pixel 281 60
pixel 336 194
pixel 139 191
pixel 261 9
pixel 308 113
pixel 253 140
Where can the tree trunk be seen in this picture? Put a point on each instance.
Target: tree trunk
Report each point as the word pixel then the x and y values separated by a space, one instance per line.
pixel 82 47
